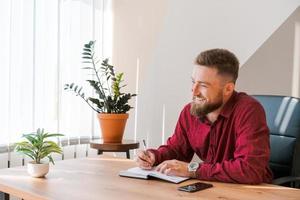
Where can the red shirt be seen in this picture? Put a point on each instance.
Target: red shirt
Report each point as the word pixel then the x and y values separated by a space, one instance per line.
pixel 235 148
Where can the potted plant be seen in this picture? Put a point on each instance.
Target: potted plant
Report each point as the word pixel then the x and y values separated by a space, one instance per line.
pixel 37 148
pixel 110 103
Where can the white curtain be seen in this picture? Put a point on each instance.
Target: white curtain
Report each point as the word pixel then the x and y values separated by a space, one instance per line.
pixel 40 50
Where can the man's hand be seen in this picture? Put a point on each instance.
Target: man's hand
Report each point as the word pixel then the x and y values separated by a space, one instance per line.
pixel 174 168
pixel 145 159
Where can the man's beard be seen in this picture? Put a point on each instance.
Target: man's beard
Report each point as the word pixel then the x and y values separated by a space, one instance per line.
pixel 202 109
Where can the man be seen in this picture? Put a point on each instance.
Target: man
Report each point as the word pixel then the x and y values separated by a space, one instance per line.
pixel 226 129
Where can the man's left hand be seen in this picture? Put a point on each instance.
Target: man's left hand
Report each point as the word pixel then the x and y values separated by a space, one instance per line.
pixel 174 168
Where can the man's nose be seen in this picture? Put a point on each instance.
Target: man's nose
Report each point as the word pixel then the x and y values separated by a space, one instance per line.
pixel 195 89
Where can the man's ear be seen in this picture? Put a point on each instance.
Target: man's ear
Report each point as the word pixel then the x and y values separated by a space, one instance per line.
pixel 228 89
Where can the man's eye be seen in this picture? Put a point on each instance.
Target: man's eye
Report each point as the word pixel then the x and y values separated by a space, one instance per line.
pixel 203 85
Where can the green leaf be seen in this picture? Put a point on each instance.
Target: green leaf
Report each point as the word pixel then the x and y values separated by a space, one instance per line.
pixel 79 90
pixel 54 135
pixel 88 46
pixel 96 101
pixel 86 53
pixel 91 43
pixel 86 57
pixel 66 86
pixel 51 159
pixel 87 49
pixel 87 68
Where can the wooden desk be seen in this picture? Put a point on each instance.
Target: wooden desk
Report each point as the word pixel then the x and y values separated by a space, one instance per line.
pixel 97 178
pixel 125 146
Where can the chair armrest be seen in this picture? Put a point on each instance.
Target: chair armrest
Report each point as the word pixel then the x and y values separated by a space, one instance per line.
pixel 286 179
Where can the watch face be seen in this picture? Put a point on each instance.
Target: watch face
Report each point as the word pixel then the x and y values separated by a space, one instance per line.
pixel 193 166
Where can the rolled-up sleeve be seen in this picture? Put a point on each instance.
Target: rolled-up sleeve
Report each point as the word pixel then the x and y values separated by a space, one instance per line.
pixel 178 146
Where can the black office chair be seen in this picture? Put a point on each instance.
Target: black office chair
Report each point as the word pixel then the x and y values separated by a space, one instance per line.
pixel 283 118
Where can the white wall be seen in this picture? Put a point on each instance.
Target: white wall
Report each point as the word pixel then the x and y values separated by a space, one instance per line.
pixel 167 35
pixel 275 66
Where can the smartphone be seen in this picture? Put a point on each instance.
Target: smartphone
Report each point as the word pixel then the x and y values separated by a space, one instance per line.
pixel 195 187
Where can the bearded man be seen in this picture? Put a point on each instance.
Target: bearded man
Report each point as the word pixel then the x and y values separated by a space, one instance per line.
pixel 226 129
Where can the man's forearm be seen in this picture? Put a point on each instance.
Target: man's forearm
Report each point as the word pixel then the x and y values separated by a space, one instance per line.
pixel 232 171
pixel 162 154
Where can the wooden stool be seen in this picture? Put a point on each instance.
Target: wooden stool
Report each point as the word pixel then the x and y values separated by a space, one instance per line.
pixel 125 146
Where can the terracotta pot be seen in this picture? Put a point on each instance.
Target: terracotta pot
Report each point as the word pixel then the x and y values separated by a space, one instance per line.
pixel 112 126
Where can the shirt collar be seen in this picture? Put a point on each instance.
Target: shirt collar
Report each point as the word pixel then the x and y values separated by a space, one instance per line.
pixel 228 107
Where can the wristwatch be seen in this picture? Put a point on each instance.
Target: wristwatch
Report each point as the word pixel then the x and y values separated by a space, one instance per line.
pixel 192 168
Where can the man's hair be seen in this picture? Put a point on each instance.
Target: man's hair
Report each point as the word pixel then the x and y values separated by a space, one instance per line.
pixel 223 60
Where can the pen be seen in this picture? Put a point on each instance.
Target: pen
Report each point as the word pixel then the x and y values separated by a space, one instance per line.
pixel 145 148
pixel 144 145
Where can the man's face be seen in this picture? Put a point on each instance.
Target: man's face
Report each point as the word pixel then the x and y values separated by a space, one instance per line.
pixel 207 90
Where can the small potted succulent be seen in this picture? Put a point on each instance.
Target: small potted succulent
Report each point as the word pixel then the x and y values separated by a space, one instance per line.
pixel 110 103
pixel 37 147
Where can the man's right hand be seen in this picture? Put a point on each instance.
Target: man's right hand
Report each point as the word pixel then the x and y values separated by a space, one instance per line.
pixel 145 159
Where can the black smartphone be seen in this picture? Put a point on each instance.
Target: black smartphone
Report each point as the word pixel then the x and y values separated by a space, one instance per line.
pixel 195 187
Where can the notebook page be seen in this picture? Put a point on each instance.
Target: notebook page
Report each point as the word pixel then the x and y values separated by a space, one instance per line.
pixel 137 170
pixel 174 179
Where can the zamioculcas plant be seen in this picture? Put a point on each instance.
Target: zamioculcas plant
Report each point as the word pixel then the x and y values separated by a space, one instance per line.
pixel 109 102
pixel 106 83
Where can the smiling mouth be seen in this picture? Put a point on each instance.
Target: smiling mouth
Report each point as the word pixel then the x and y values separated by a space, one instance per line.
pixel 199 99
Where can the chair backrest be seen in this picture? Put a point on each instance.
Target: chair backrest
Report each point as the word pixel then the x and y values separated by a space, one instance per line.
pixel 283 118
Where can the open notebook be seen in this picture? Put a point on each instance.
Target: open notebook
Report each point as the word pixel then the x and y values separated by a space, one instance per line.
pixel 137 172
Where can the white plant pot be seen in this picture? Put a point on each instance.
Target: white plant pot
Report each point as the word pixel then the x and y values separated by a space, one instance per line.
pixel 37 170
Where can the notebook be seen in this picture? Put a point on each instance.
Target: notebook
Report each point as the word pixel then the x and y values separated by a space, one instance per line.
pixel 137 172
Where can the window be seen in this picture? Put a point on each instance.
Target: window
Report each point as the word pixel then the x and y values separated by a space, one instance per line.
pixel 41 43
